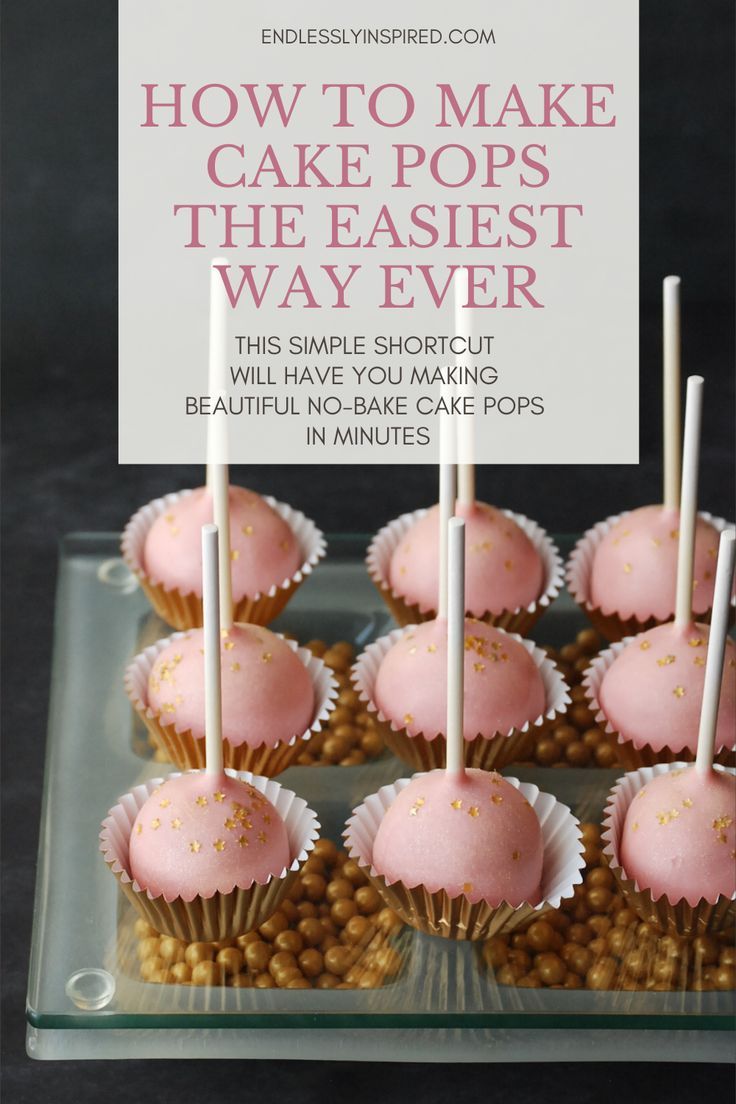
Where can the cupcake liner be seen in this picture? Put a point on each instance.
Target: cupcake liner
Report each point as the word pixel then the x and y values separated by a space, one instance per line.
pixel 187 751
pixel 184 611
pixel 487 753
pixel 577 575
pixel 519 620
pixel 224 915
pixel 456 917
pixel 679 918
pixel 630 756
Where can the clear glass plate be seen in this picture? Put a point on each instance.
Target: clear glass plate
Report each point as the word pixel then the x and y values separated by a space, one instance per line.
pixel 85 1000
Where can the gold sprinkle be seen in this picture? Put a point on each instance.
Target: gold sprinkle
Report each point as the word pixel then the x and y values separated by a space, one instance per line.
pixel 234 554
pixel 412 650
pixel 261 837
pixel 138 828
pixel 696 642
pixel 722 822
pixel 467 887
pixel 219 845
pixel 247 530
pixel 516 855
pixel 656 542
pixel 234 666
pixel 284 544
pixel 635 826
pixel 155 823
pixel 456 804
pixel 712 552
pixel 176 824
pixel 679 691
pixel 645 645
pixel 707 574
pixel 164 803
pixel 627 569
pixel 413 811
pixel 170 518
pixel 408 719
pixel 419 801
pixel 266 819
pixel 219 796
pixel 231 823
pixel 473 811
pixel 674 534
pixel 242 841
pixel 508 564
pixel 479 667
pixel 195 846
pixel 201 801
pixel 228 645
pixel 174 531
pixel 432 648
pixel 665 661
pixel 168 707
pixel 699 661
pixel 224 633
pixel 266 657
pixel 687 802
pixel 496 799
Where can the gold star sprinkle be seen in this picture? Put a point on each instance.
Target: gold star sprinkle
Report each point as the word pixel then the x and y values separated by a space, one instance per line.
pixel 432 648
pixel 696 642
pixel 456 804
pixel 699 661
pixel 665 661
pixel 722 822
pixel 231 823
pixel 656 542
pixel 627 569
pixel 155 823
pixel 138 828
pixel 219 796
pixel 170 518
pixel 635 826
pixel 266 657
pixel 479 667
pixel 473 811
pixel 496 799
pixel 707 574
pixel 284 544
pixel 516 855
pixel 687 802
pixel 234 554
pixel 508 564
pixel 413 811
pixel 679 691
pixel 242 841
pixel 261 837
pixel 228 645
pixel 219 845
pixel 674 534
pixel 234 666
pixel 176 824
pixel 467 887
pixel 247 530
pixel 195 847
pixel 168 707
pixel 413 649
pixel 201 801
pixel 645 645
pixel 164 803
pixel 408 719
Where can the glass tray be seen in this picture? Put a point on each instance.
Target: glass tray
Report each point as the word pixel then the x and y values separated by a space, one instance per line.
pixel 83 1001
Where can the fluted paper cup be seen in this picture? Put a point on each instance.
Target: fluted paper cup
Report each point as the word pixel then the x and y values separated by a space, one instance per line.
pixel 519 620
pixel 679 917
pixel 223 915
pixel 486 751
pixel 629 755
pixel 578 571
pixel 456 917
pixel 184 610
pixel 187 751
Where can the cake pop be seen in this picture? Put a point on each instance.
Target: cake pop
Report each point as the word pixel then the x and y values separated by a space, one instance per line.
pixel 623 570
pixel 651 689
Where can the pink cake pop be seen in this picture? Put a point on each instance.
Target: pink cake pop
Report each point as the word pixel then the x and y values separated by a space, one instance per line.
pixel 264 550
pixel 503 569
pixel 202 833
pixel 470 833
pixel 267 694
pixel 503 686
pixel 679 836
pixel 652 692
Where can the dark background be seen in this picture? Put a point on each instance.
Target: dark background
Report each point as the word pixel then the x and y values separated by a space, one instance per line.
pixel 60 471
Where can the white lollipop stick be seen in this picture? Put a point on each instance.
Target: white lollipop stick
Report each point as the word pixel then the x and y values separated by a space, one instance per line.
pixel 688 500
pixel 220 489
pixel 466 427
pixel 716 651
pixel 217 353
pixel 456 648
pixel 212 675
pixel 448 492
pixel 671 389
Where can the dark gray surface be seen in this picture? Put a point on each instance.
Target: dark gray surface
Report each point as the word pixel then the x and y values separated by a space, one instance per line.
pixel 59 385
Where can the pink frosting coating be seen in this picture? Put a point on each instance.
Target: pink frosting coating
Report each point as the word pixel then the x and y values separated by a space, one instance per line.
pixel 653 691
pixel 474 834
pixel 267 694
pixel 503 686
pixel 263 548
pixel 201 834
pixel 634 569
pixel 679 836
pixel 503 570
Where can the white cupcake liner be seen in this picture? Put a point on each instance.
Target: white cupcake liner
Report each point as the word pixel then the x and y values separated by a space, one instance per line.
pixel 484 751
pixel 187 751
pixel 578 571
pixel 678 917
pixel 630 756
pixel 518 620
pixel 182 609
pixel 456 917
pixel 223 915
